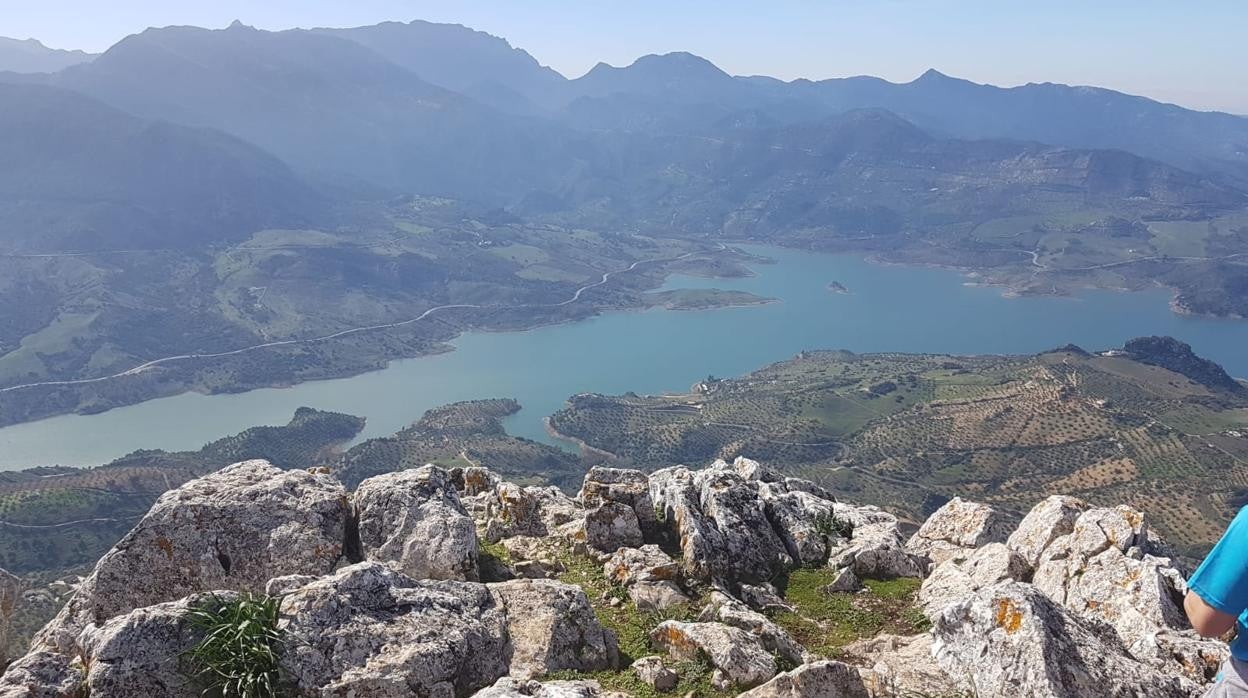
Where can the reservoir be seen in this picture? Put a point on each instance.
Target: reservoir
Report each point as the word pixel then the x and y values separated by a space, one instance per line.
pixel 886 308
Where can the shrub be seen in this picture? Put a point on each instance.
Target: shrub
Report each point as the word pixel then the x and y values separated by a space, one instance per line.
pixel 238 655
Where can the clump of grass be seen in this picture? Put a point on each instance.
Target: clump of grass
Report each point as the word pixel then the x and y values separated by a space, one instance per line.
pixel 825 621
pixel 829 525
pixel 238 655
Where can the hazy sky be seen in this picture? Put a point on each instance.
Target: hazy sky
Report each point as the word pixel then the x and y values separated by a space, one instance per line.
pixel 1193 53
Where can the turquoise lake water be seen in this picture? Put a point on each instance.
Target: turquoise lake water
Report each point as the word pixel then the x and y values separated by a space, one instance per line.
pixel 888 308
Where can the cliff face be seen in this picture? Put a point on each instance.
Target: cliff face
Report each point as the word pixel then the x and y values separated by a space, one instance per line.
pixel 431 582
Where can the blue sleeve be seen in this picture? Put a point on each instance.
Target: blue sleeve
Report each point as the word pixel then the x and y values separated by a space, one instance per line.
pixel 1222 579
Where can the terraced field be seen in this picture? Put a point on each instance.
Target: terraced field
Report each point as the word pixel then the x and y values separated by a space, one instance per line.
pixel 908 432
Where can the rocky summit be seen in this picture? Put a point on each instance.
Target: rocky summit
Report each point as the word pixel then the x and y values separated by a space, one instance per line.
pixel 435 582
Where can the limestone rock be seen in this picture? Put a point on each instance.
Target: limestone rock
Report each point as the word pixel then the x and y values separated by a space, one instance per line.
pixel 736 653
pixel 729 611
pixel 796 517
pixel 956 578
pixel 280 586
pixel 627 566
pixel 612 526
pixel 652 672
pixel 845 581
pixel 512 510
pixel 957 527
pixel 142 652
pixel 534 558
pixel 234 529
pixel 875 549
pixel 628 487
pixel 1045 523
pixel 552 627
pixel 413 520
pixel 822 679
pixel 508 687
pixel 44 674
pixel 903 666
pixel 371 631
pixel 763 597
pixel 10 594
pixel 656 596
pixel 1183 653
pixel 1012 640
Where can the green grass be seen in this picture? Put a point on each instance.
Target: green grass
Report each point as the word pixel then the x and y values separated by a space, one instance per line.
pixel 824 622
pixel 238 655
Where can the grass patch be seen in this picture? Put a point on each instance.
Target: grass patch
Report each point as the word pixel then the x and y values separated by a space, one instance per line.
pixel 238 655
pixel 824 622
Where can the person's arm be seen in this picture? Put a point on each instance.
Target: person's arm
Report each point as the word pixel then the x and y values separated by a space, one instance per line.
pixel 1217 592
pixel 1205 619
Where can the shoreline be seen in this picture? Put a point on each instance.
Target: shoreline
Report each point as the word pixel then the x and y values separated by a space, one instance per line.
pixel 586 449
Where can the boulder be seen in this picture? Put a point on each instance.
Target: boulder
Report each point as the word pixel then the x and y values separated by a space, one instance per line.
pixel 534 558
pixel 10 594
pixel 234 529
pixel 844 581
pixel 44 674
pixel 821 679
pixel 956 528
pixel 1182 653
pixel 142 653
pixel 1099 571
pixel 802 520
pixel 413 521
pixel 368 630
pixel 552 627
pixel 736 653
pixel 729 611
pixel 508 687
pixel 956 578
pixel 628 487
pixel 762 597
pixel 903 666
pixel 656 596
pixel 652 672
pixel 1045 523
pixel 612 526
pixel 512 510
pixel 721 522
pixel 875 548
pixel 1012 640
pixel 627 566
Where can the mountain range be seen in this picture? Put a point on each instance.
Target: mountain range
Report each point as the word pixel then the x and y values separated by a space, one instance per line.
pixel 31 56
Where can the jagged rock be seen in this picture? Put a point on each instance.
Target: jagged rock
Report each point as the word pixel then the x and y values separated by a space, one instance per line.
pixel 721 522
pixel 280 586
pixel 628 487
pixel 875 549
pixel 44 674
pixel 552 627
pixel 142 652
pixel 656 596
pixel 956 578
pixel 652 672
pixel 508 687
pixel 10 594
pixel 627 566
pixel 729 611
pixel 763 597
pixel 612 526
pixel 534 558
pixel 902 666
pixel 1012 640
pixel 371 631
pixel 957 528
pixel 822 679
pixel 473 481
pixel 1045 523
pixel 560 514
pixel 845 581
pixel 1183 653
pixel 796 517
pixel 413 520
pixel 512 510
pixel 735 652
pixel 234 529
pixel 1098 571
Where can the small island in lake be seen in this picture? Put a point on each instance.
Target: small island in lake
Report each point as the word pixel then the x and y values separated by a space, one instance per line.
pixel 837 287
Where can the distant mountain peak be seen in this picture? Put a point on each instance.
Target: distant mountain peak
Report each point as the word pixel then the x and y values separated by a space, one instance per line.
pixel 237 25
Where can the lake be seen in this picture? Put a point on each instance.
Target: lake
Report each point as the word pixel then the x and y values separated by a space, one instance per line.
pixel 888 308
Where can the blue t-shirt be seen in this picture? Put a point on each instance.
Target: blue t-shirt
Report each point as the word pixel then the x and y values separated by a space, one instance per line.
pixel 1222 579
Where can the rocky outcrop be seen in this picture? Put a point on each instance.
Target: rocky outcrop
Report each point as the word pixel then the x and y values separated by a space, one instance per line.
pixel 875 548
pixel 739 658
pixel 957 528
pixel 1012 640
pixel 645 564
pixel 44 674
pixel 10 594
pixel 413 521
pixel 957 577
pixel 1045 523
pixel 822 679
pixel 508 687
pixel 611 526
pixel 551 627
pixel 894 665
pixel 234 529
pixel 729 611
pixel 630 488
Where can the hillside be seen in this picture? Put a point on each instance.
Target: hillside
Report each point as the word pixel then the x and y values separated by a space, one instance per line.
pixel 909 432
pixel 31 56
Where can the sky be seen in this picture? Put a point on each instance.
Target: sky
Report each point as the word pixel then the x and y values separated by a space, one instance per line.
pixel 1190 53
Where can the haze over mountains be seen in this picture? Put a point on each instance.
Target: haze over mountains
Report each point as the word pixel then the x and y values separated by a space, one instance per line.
pixel 31 56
